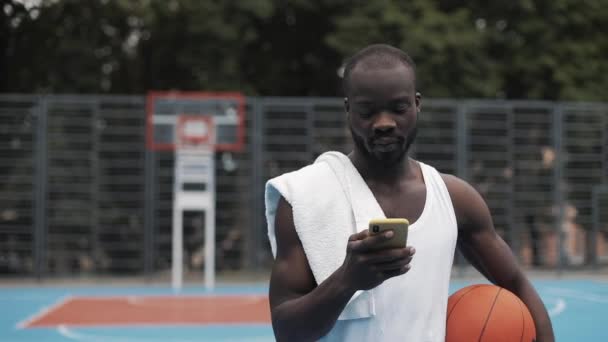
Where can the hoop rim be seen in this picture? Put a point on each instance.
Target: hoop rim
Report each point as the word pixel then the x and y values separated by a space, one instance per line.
pixel 182 140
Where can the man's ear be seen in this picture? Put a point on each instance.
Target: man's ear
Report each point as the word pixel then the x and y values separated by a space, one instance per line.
pixel 418 102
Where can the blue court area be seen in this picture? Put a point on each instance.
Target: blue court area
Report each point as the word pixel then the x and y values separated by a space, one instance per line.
pixel 578 308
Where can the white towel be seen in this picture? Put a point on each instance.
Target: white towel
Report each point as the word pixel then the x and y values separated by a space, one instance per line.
pixel 330 201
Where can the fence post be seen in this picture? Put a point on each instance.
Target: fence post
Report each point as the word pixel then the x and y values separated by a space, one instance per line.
pixel 40 186
pixel 462 159
pixel 595 228
pixel 310 127
pixel 605 144
pixel 150 190
pixel 95 233
pixel 257 200
pixel 558 195
pixel 514 232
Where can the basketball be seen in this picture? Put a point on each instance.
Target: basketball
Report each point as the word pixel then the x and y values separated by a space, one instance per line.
pixel 488 313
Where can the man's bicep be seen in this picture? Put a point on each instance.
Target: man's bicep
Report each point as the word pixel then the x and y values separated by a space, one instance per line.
pixel 291 275
pixel 492 257
pixel 477 238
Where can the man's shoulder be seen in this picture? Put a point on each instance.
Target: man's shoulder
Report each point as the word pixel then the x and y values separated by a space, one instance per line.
pixel 310 172
pixel 303 182
pixel 323 166
pixel 468 203
pixel 458 188
pixel 457 185
pixel 453 182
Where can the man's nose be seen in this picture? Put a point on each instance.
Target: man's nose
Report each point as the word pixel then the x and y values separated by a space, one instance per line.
pixel 384 123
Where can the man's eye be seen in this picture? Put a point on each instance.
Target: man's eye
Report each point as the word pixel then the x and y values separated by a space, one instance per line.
pixel 365 111
pixel 402 107
pixel 366 114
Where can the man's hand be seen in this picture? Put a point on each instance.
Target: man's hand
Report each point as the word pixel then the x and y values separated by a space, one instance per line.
pixel 365 267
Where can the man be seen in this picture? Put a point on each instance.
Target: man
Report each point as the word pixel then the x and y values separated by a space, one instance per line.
pixel 387 295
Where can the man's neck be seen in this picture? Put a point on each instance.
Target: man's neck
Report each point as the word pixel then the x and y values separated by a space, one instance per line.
pixel 378 173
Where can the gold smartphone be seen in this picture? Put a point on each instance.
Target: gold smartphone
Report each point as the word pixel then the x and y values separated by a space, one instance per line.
pixel 398 225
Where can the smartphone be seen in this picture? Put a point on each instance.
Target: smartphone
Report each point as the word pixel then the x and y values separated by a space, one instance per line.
pixel 398 225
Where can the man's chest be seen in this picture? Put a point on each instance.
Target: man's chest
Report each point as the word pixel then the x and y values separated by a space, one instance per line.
pixel 407 203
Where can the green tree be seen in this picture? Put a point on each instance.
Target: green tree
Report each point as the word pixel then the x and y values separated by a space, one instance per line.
pixel 544 49
pixel 121 46
pixel 61 46
pixel 445 44
pixel 526 49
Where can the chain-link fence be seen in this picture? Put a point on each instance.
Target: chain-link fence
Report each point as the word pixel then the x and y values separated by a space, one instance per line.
pixel 80 194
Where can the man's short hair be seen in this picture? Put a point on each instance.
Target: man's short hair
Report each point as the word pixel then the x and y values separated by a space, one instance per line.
pixel 375 56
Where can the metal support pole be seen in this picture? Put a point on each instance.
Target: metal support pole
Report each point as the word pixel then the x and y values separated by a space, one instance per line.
pixel 210 245
pixel 514 231
pixel 40 185
pixel 258 158
pixel 558 196
pixel 149 210
pixel 595 229
pixel 462 160
pixel 177 247
pixel 94 234
pixel 194 167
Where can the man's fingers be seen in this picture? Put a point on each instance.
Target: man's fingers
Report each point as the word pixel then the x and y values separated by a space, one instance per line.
pixel 393 265
pixel 398 272
pixel 385 256
pixel 355 240
pixel 359 236
pixel 390 255
pixel 370 241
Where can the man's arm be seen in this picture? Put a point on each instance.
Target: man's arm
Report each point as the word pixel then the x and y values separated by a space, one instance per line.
pixel 303 311
pixel 487 251
pixel 295 298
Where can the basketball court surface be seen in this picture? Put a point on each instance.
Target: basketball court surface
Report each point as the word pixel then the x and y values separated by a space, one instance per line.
pixel 578 308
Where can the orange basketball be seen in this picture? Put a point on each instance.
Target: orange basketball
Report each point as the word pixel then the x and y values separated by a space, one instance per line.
pixel 488 313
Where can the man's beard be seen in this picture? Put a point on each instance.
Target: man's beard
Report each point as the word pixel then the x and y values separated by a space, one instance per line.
pixel 386 159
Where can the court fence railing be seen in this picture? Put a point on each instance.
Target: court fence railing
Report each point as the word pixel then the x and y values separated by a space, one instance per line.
pixel 81 195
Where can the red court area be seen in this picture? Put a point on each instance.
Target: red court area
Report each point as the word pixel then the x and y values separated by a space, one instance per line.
pixel 154 310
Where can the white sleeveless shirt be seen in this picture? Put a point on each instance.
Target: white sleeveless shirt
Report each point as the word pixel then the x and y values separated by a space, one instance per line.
pixel 412 307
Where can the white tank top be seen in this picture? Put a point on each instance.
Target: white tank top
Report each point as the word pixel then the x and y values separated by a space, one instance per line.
pixel 412 307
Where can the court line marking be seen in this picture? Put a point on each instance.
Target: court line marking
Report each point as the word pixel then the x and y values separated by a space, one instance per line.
pixel 559 307
pixel 66 331
pixel 578 295
pixel 163 297
pixel 27 298
pixel 45 310
pixel 151 301
pixel 155 325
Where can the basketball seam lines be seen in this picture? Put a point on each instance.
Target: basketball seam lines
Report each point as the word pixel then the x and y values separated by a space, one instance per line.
pixel 459 299
pixel 523 321
pixel 489 314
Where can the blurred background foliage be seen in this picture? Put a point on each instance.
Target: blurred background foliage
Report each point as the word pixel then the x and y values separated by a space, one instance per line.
pixel 522 49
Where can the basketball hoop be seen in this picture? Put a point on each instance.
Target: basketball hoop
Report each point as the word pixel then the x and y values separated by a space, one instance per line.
pixel 195 126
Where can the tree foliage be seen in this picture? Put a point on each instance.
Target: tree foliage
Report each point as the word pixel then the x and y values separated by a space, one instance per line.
pixel 528 49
